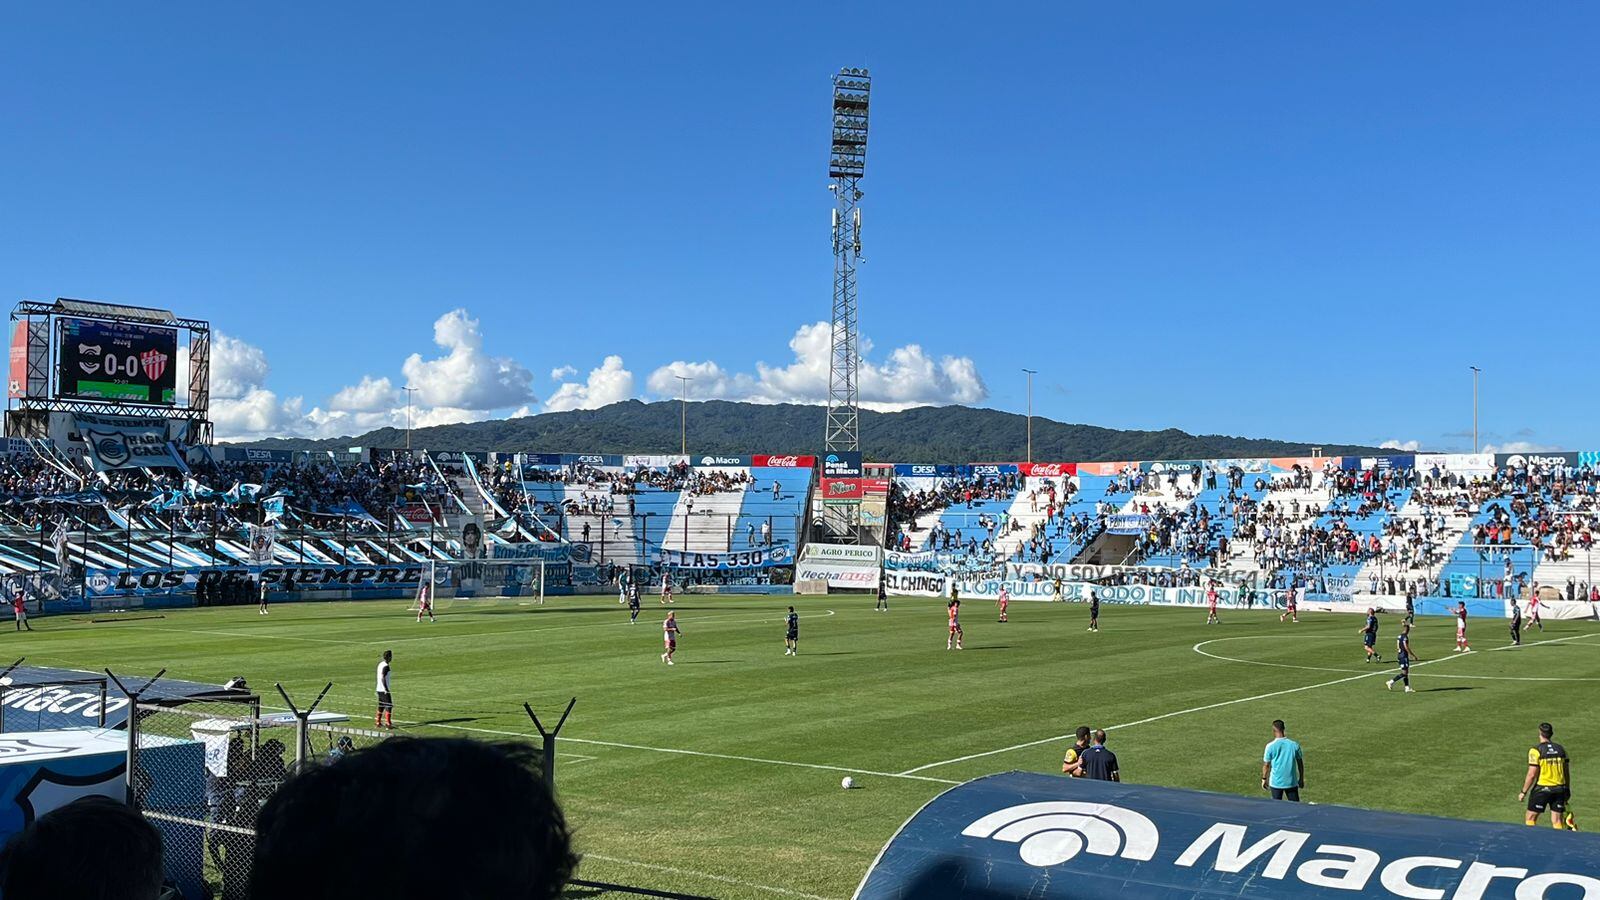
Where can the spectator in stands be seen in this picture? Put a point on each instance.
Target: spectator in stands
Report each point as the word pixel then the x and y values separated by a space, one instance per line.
pixel 415 819
pixel 91 849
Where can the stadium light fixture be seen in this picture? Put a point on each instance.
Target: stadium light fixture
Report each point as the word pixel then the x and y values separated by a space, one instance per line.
pixel 683 414
pixel 409 391
pixel 1475 373
pixel 1030 373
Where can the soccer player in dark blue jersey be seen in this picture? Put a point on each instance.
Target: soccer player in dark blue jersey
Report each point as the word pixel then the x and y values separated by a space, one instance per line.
pixel 1369 636
pixel 1402 649
pixel 791 634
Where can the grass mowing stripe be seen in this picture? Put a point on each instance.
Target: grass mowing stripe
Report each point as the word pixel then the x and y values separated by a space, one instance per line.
pixel 1219 705
pixel 673 870
pixel 702 753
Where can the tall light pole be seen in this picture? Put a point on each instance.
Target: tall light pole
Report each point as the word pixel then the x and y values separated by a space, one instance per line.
pixel 1030 373
pixel 683 414
pixel 1475 371
pixel 409 391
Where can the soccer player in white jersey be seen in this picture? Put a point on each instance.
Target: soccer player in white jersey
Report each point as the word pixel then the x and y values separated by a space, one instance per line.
pixel 385 716
pixel 666 587
pixel 669 636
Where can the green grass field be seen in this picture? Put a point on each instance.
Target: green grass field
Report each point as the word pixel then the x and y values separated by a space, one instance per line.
pixel 720 776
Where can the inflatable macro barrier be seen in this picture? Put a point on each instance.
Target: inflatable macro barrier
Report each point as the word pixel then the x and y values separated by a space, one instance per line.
pixel 1026 835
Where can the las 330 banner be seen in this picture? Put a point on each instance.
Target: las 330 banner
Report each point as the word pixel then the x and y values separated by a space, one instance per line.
pixel 757 558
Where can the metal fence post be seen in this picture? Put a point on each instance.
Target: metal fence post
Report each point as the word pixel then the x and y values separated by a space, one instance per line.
pixel 549 740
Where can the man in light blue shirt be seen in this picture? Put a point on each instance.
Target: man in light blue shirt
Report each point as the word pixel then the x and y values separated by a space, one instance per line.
pixel 1283 768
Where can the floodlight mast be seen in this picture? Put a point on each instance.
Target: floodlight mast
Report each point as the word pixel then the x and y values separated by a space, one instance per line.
pixel 847 164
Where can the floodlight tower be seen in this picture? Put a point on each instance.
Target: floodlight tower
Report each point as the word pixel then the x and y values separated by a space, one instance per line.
pixel 846 165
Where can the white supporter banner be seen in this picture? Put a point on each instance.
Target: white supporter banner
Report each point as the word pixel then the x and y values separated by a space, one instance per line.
pixel 911 583
pixel 853 554
pixel 1128 594
pixel 841 575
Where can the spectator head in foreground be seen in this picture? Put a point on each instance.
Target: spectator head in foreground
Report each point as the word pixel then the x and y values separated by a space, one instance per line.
pixel 423 818
pixel 91 849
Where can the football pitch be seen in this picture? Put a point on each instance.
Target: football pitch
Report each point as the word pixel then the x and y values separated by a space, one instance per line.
pixel 720 776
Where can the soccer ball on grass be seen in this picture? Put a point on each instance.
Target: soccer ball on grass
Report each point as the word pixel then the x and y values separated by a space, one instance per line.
pixel 847 782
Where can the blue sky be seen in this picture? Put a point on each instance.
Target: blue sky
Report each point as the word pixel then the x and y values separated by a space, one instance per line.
pixel 1287 220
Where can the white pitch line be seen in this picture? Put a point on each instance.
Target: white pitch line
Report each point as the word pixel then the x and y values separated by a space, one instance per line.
pixel 787 892
pixel 1219 705
pixel 708 755
pixel 1275 665
pixel 691 619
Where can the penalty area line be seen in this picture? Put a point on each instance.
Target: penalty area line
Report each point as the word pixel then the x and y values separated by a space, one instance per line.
pixel 1238 700
pixel 709 755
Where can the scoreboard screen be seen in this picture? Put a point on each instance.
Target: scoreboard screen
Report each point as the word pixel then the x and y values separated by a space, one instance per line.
pixel 117 361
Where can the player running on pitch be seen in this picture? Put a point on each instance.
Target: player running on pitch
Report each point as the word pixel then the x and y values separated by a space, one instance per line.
pixel 1533 609
pixel 1369 636
pixel 791 633
pixel 425 601
pixel 633 604
pixel 666 587
pixel 1211 607
pixel 883 598
pixel 1516 624
pixel 1461 628
pixel 1292 609
pixel 1094 609
pixel 1004 600
pixel 1402 650
pixel 954 609
pixel 669 636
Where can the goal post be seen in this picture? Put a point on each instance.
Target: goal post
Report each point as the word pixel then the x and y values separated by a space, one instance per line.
pixel 491 578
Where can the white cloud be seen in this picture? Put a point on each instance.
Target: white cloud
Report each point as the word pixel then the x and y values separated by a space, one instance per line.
pixel 908 377
pixel 1520 447
pixel 562 373
pixel 465 378
pixel 610 383
pixel 1402 446
pixel 371 395
pixel 236 367
pixel 242 407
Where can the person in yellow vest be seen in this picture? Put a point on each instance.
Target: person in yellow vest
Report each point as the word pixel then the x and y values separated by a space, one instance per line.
pixel 1548 784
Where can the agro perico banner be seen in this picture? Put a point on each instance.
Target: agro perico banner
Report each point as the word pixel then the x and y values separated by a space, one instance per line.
pixel 757 558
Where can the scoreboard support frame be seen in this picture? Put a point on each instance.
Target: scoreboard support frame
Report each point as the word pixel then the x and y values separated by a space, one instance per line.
pixel 28 415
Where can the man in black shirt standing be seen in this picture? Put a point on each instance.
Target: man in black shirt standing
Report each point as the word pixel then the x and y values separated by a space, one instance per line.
pixel 1100 763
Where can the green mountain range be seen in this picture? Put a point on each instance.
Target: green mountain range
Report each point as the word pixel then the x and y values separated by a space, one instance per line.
pixel 944 434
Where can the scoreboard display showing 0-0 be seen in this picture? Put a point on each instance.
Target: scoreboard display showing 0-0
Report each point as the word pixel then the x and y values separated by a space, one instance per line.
pixel 117 361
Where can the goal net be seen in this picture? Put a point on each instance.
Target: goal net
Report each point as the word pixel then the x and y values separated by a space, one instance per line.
pixel 457 579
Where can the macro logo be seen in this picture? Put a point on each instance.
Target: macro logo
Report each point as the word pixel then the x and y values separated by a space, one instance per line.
pixel 832 458
pixel 721 461
pixel 1049 834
